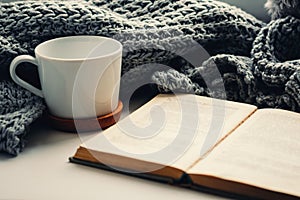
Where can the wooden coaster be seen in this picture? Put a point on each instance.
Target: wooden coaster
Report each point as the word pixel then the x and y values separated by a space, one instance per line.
pixel 87 124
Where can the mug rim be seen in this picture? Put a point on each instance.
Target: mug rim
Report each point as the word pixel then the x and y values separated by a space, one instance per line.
pixel 117 51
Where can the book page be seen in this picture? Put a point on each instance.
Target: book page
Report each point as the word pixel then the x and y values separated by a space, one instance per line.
pixel 172 130
pixel 263 152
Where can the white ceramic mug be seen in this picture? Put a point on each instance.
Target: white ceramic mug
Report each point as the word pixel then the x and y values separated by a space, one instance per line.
pixel 80 75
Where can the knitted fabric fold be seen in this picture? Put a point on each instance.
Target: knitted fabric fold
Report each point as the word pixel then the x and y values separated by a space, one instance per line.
pixel 154 25
pixel 18 109
pixel 269 77
pixel 157 38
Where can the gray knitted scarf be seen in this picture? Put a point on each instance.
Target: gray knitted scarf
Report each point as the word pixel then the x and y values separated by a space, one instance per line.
pixel 258 62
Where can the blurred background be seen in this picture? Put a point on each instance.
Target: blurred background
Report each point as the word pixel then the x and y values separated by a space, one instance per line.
pixel 254 7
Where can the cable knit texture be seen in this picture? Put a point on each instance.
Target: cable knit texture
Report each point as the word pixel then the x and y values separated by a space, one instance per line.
pixel 18 109
pixel 153 34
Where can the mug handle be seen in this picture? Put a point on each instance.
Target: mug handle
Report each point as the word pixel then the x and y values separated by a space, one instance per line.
pixel 13 65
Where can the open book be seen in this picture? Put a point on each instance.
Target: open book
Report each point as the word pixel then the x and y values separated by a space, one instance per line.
pixel 201 142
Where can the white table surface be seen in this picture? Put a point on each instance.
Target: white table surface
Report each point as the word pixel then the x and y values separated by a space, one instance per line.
pixel 42 171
